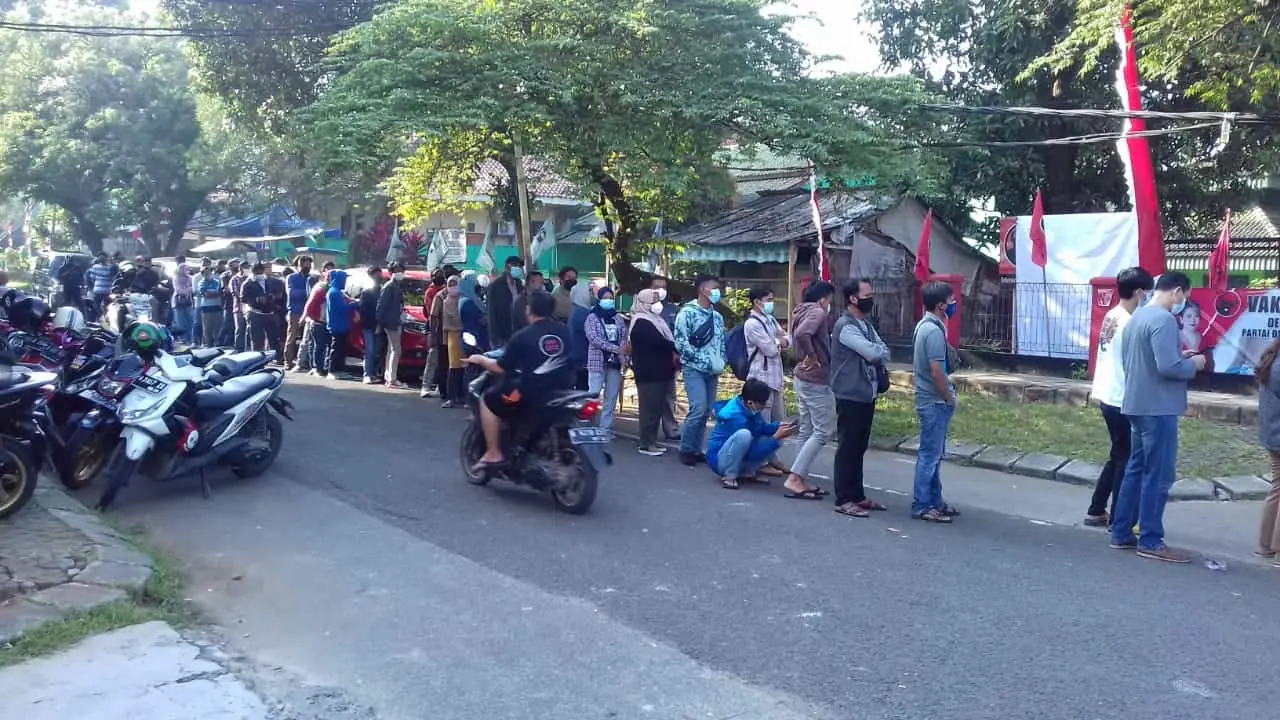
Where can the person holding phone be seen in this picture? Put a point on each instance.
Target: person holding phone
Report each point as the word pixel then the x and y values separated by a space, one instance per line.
pixel 742 441
pixel 856 350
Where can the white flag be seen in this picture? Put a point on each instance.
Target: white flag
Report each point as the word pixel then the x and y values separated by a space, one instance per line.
pixel 543 241
pixel 395 248
pixel 485 260
pixel 435 251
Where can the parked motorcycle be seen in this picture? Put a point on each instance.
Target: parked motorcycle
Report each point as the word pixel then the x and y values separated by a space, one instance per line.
pixel 179 421
pixel 555 448
pixel 129 307
pixel 22 448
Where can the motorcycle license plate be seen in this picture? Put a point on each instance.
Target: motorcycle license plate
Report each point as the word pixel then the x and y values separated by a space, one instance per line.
pixel 590 436
pixel 150 384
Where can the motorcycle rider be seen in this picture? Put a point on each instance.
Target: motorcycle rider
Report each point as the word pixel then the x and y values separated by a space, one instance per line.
pixel 534 365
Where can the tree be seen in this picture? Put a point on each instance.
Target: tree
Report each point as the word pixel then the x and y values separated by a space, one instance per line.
pixel 984 49
pixel 631 101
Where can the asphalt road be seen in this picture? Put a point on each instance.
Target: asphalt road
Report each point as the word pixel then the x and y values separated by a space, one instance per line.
pixel 366 562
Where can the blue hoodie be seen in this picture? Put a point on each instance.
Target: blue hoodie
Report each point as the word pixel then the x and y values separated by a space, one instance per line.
pixel 733 415
pixel 336 304
pixel 299 287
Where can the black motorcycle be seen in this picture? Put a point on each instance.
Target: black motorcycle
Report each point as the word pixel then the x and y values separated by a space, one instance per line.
pixel 22 446
pixel 554 449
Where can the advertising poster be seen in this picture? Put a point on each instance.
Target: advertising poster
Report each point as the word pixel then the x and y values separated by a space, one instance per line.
pixel 1231 328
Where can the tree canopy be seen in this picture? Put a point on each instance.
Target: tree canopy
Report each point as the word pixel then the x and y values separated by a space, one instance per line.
pixel 977 52
pixel 631 101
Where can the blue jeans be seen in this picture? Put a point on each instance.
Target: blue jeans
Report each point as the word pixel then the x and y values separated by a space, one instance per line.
pixel 320 348
pixel 609 381
pixel 926 490
pixel 371 339
pixel 184 319
pixel 1150 472
pixel 228 337
pixel 701 389
pixel 744 454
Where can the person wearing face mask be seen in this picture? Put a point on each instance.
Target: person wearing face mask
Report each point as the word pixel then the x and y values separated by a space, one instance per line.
pixel 652 351
pixel 451 326
pixel 670 427
pixel 605 358
pixel 431 381
pixel 857 353
pixel 367 311
pixel 933 361
pixel 519 309
pixel 1133 285
pixel 1156 373
pixel 811 326
pixel 765 342
pixel 501 297
pixel 564 294
pixel 264 299
pixel 240 321
pixel 743 440
pixel 700 341
pixel 390 322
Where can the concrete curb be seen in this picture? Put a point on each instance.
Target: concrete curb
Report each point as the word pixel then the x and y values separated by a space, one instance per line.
pixel 116 569
pixel 1044 467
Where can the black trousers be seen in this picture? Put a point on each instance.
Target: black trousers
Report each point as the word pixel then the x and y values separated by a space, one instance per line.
pixel 1113 472
pixel 456 386
pixel 653 402
pixel 853 435
pixel 338 352
pixel 441 377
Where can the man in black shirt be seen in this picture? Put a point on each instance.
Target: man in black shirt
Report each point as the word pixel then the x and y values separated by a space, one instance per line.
pixel 534 364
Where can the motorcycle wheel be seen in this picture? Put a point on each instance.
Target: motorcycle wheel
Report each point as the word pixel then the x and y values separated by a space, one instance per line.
pixel 78 471
pixel 256 463
pixel 17 478
pixel 471 449
pixel 578 497
pixel 119 472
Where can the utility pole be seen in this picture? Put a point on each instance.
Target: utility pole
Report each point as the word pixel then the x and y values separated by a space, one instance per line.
pixel 522 198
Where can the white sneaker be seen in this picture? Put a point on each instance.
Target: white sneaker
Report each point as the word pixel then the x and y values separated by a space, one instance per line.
pixel 653 451
pixel 367 380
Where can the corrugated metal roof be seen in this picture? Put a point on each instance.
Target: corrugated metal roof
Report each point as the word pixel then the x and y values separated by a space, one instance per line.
pixel 1259 222
pixel 780 218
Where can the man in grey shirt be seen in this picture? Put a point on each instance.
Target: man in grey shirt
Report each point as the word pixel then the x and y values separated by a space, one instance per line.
pixel 1156 371
pixel 933 360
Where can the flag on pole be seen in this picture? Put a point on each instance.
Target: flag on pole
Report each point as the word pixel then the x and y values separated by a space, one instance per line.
pixel 1039 240
pixel 396 247
pixel 485 260
pixel 435 251
pixel 1135 152
pixel 543 240
pixel 922 271
pixel 824 271
pixel 1219 260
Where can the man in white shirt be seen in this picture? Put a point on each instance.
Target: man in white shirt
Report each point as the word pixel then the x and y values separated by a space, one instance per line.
pixel 1134 284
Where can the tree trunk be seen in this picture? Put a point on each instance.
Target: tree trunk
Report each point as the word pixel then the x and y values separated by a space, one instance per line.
pixel 621 222
pixel 86 230
pixel 151 239
pixel 178 219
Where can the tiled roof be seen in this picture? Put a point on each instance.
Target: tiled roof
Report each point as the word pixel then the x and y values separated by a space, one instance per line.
pixel 780 218
pixel 543 182
pixel 1261 222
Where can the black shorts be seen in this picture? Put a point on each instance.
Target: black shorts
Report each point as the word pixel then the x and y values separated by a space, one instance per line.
pixel 504 400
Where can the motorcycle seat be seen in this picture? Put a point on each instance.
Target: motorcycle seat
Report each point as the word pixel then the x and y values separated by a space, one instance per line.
pixel 229 366
pixel 235 391
pixel 203 356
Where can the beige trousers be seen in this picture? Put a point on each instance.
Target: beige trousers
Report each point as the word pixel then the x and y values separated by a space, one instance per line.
pixel 393 354
pixel 1269 539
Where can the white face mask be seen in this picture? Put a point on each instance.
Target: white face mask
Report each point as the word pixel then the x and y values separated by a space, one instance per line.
pixel 656 308
pixel 662 294
pixel 398 277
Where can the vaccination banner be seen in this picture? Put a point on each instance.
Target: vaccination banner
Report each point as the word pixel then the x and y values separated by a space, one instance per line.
pixel 1231 328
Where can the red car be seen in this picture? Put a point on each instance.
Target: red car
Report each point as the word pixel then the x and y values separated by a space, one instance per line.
pixel 413 339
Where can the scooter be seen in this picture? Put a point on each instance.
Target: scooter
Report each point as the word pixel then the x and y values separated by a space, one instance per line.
pixel 557 450
pixel 22 447
pixel 179 421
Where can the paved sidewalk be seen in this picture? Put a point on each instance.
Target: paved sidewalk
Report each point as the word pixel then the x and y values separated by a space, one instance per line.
pixel 143 672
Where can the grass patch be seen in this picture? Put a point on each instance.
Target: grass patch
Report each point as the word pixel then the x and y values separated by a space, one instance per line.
pixel 161 598
pixel 1205 449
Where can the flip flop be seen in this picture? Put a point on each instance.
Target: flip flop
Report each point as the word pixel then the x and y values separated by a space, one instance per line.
pixel 802 495
pixel 851 510
pixel 730 483
pixel 871 505
pixel 484 467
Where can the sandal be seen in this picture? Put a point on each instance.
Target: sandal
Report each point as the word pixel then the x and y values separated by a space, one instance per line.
pixel 771 471
pixel 870 504
pixel 934 516
pixel 852 510
pixel 1264 553
pixel 802 495
pixel 729 483
pixel 756 479
pixel 484 466
pixel 949 511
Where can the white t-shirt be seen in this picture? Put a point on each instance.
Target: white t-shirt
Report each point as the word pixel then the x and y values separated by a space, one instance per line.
pixel 1108 371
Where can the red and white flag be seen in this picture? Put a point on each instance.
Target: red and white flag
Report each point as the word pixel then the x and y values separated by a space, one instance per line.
pixel 922 271
pixel 824 270
pixel 1039 239
pixel 1135 152
pixel 1220 260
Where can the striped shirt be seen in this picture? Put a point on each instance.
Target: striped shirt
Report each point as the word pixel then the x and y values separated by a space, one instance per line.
pixel 100 276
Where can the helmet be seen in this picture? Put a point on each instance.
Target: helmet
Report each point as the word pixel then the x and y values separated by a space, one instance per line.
pixel 30 314
pixel 144 338
pixel 69 318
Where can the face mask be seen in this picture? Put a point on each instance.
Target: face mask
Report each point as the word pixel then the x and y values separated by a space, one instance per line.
pixel 951 309
pixel 398 277
pixel 865 305
pixel 568 283
pixel 454 291
pixel 517 273
pixel 768 308
pixel 606 304
pixel 662 294
pixel 1178 307
pixel 715 296
pixel 656 308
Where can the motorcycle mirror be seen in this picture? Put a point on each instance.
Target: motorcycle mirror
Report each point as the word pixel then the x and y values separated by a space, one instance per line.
pixel 470 339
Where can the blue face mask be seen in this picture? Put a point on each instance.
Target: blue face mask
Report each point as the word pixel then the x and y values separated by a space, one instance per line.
pixel 1179 307
pixel 517 273
pixel 768 308
pixel 606 304
pixel 715 296
pixel 951 308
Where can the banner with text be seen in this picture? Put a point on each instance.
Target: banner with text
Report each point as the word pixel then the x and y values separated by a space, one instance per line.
pixel 1231 328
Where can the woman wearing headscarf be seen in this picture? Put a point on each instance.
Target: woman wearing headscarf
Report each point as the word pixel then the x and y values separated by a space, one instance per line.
pixel 652 352
pixel 451 323
pixel 582 304
pixel 604 354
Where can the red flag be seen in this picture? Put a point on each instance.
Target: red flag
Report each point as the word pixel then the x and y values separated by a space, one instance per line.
pixel 1039 246
pixel 1136 154
pixel 1219 260
pixel 922 249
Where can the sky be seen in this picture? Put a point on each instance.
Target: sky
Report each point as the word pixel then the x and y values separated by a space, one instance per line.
pixel 835 31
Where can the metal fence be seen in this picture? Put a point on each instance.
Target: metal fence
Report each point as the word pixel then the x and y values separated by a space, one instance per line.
pixel 894 315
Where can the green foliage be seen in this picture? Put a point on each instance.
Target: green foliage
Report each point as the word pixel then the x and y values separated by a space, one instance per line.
pixel 984 49
pixel 629 100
